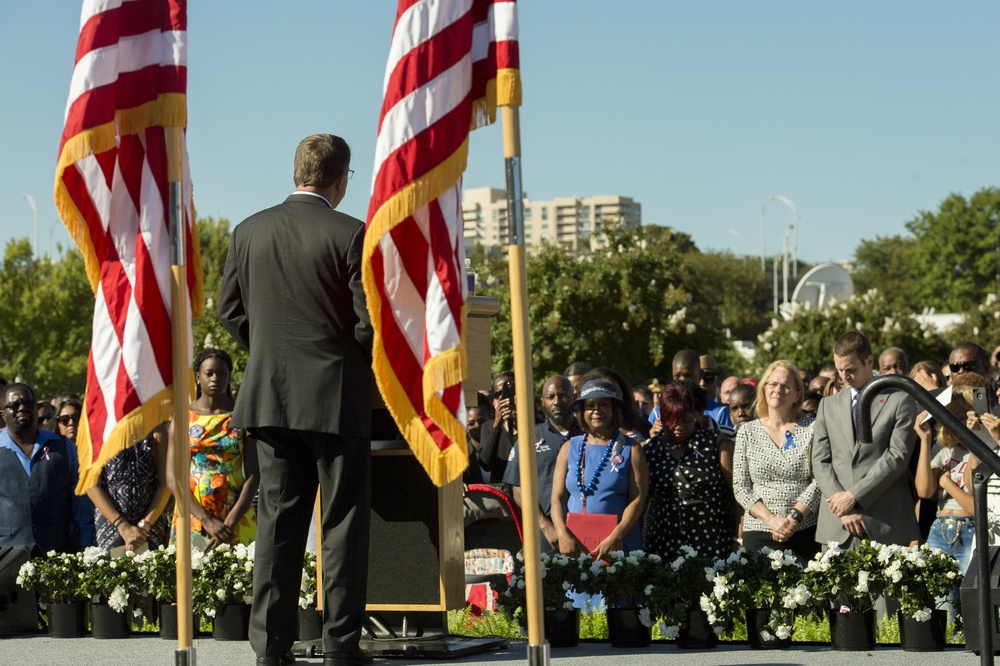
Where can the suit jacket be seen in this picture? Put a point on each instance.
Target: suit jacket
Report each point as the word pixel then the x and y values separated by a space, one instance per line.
pixel 292 294
pixel 875 473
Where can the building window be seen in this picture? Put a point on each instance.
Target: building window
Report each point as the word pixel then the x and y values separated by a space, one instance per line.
pixel 545 212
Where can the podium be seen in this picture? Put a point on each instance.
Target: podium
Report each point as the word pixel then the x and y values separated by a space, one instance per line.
pixel 417 555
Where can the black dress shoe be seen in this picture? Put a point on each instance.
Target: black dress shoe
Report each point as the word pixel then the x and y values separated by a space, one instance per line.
pixel 357 658
pixel 286 660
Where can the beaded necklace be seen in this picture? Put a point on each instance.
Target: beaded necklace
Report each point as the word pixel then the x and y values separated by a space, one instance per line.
pixel 591 487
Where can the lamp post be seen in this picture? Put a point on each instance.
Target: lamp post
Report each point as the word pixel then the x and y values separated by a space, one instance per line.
pixel 34 210
pixel 795 216
pixel 733 232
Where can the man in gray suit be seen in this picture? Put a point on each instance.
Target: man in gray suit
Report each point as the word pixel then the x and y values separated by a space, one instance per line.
pixel 292 294
pixel 865 489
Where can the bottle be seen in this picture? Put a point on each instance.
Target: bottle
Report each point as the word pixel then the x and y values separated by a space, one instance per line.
pixel 470 277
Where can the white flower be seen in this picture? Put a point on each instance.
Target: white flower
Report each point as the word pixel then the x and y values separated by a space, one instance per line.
pixel 568 605
pixel 766 635
pixel 648 591
pixel 520 584
pixel 645 617
pixel 220 594
pixel 676 564
pixel 783 631
pixel 583 576
pixel 566 586
pixel 248 598
pixel 673 631
pixel 691 329
pixel 802 595
pixel 922 615
pixel 862 585
pixel 612 569
pixel 632 559
pixel 118 599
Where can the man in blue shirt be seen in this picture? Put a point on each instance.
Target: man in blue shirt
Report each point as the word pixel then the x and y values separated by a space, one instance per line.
pixel 38 473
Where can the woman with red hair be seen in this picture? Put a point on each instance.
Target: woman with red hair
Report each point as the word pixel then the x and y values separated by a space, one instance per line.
pixel 690 478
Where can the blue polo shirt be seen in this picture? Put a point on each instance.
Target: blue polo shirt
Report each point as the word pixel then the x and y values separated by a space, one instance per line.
pixel 719 413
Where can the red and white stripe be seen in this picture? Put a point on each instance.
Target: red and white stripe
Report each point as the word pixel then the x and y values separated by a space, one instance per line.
pixel 442 57
pixel 113 194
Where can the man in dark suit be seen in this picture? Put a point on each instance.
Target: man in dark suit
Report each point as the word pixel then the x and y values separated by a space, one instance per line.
pixel 865 487
pixel 292 294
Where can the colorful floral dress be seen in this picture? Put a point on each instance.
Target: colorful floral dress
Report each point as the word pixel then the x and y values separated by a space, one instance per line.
pixel 217 473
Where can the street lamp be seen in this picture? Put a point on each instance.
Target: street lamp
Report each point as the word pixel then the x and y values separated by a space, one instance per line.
pixel 34 209
pixel 741 237
pixel 795 216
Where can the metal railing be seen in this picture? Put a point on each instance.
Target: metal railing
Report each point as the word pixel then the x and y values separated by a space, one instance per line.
pixel 990 465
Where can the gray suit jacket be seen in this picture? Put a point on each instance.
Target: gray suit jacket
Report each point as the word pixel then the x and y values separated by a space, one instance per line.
pixel 875 473
pixel 292 294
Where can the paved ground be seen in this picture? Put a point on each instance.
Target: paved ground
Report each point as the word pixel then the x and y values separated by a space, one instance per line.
pixel 150 650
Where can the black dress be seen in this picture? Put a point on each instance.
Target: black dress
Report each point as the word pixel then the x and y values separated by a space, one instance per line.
pixel 130 480
pixel 690 503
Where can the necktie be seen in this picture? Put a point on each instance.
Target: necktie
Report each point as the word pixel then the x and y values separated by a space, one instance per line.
pixel 854 415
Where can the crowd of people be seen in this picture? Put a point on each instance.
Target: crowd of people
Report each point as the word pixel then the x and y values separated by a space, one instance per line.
pixel 774 461
pixel 131 505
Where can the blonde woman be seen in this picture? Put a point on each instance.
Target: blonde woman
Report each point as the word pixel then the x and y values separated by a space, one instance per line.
pixel 772 470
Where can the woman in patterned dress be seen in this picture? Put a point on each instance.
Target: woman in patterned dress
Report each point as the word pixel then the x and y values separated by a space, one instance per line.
pixel 224 472
pixel 131 494
pixel 772 473
pixel 690 470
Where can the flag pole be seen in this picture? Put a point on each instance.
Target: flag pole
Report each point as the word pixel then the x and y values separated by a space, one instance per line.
pixel 180 327
pixel 538 648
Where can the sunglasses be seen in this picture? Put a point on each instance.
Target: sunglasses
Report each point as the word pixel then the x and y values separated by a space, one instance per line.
pixel 967 366
pixel 18 404
pixel 67 419
pixel 710 377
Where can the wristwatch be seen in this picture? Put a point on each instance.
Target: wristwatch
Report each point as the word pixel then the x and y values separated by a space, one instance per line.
pixel 796 515
pixel 144 524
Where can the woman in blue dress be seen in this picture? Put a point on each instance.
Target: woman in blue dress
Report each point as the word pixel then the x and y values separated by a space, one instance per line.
pixel 600 472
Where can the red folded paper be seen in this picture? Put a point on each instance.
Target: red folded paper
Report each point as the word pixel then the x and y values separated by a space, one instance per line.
pixel 591 528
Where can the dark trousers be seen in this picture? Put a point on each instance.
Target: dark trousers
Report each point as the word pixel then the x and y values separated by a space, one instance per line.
pixel 292 464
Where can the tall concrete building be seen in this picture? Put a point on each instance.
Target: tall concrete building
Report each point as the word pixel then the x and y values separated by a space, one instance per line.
pixel 569 222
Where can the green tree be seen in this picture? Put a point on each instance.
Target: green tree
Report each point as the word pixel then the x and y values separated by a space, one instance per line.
pixel 207 330
pixel 807 337
pixel 949 261
pixel 645 294
pixel 888 264
pixel 46 314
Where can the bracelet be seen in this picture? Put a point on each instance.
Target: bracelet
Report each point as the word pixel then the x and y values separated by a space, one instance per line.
pixel 118 521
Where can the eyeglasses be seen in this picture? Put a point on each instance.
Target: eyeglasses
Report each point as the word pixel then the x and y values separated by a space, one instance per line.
pixel 350 174
pixel 966 366
pixel 778 386
pixel 710 377
pixel 66 419
pixel 18 404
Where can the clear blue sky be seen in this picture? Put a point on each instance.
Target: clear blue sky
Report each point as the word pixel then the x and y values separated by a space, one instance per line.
pixel 862 113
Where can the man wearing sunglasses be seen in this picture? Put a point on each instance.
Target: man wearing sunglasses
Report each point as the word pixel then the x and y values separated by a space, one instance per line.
pixel 969 357
pixel 38 472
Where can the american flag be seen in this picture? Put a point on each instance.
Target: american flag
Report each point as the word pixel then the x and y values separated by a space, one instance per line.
pixel 451 63
pixel 129 84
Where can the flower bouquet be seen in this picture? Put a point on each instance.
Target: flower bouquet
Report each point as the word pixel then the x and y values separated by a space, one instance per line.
pixel 115 581
pixel 920 578
pixel 850 581
pixel 158 572
pixel 115 588
pixel 769 580
pixel 224 578
pixel 55 577
pixel 561 575
pixel 923 580
pixel 675 590
pixel 307 588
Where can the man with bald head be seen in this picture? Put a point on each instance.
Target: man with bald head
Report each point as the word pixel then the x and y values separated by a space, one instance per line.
pixel 893 361
pixel 559 426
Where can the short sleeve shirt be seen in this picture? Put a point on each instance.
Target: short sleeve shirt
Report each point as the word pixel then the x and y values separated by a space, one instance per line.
pixel 548 441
